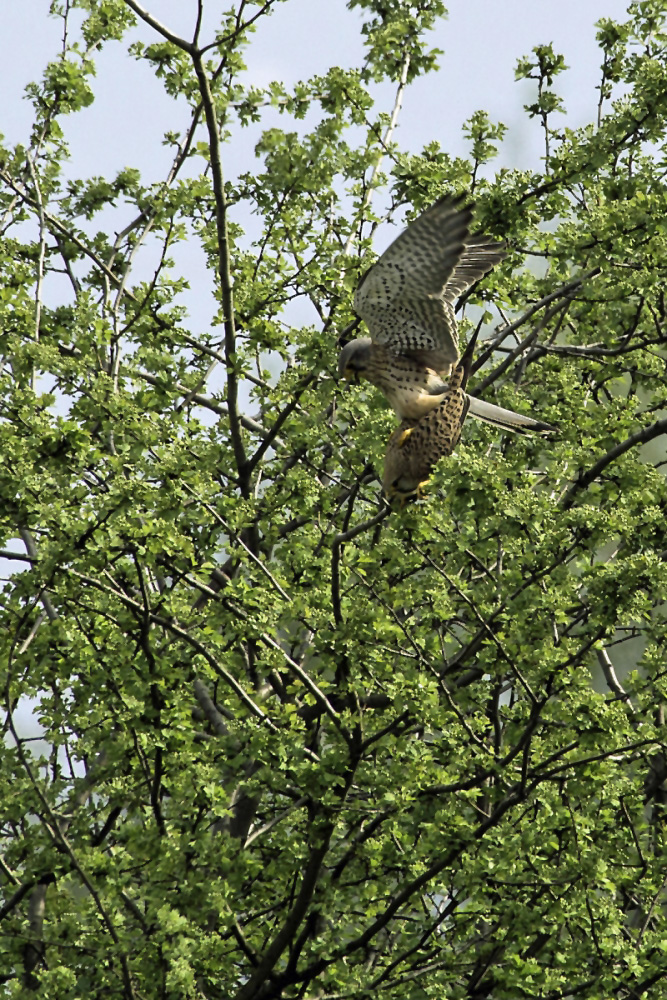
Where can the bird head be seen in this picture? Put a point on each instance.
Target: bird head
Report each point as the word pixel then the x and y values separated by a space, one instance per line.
pixel 354 359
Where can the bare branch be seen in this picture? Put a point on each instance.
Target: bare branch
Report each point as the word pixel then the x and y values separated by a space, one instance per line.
pixel 565 290
pixel 240 28
pixel 275 821
pixel 610 674
pixel 519 349
pixel 384 143
pixel 162 29
pixel 16 556
pixel 307 681
pixel 210 710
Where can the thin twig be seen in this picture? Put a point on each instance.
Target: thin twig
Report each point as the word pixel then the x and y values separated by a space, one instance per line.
pixel 220 408
pixel 339 540
pixel 65 230
pixel 307 681
pixel 519 349
pixel 384 143
pixel 272 433
pixel 170 625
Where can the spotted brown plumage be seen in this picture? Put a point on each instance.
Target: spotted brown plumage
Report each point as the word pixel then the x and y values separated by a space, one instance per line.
pixel 416 445
pixel 407 302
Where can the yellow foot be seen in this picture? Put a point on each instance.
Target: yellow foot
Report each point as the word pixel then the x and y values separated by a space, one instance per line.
pixel 403 437
pixel 393 493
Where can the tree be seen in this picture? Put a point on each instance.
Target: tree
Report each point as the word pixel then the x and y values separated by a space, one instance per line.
pixel 295 743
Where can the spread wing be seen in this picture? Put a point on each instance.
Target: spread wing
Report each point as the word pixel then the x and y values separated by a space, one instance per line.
pixel 407 297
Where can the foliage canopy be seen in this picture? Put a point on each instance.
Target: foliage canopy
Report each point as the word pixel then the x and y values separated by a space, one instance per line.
pixel 294 744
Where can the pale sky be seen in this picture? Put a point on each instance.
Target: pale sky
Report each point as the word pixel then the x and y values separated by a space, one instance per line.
pixel 481 39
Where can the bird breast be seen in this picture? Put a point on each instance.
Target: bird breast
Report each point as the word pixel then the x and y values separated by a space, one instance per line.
pixel 405 382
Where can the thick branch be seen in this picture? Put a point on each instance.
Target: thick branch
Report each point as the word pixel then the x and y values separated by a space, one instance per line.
pixel 586 478
pixel 31 548
pixel 224 268
pixel 609 672
pixel 292 921
pixel 33 952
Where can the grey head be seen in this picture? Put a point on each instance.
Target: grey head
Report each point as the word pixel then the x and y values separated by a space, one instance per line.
pixel 354 358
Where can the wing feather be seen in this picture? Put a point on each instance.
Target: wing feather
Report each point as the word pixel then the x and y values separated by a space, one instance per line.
pixel 406 298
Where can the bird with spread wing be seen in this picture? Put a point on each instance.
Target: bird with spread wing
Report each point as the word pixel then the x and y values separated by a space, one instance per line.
pixel 407 302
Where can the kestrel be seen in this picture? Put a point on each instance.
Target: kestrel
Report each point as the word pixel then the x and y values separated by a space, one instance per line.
pixel 407 301
pixel 415 447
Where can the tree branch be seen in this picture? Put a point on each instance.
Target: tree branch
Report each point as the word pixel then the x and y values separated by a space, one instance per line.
pixel 224 268
pixel 272 434
pixel 586 478
pixel 171 626
pixel 308 683
pixel 502 334
pixel 384 142
pixel 161 29
pixel 339 540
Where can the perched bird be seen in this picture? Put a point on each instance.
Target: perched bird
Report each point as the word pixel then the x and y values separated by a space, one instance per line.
pixel 416 445
pixel 407 302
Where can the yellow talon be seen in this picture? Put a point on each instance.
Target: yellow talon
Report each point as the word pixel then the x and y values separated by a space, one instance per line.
pixel 403 437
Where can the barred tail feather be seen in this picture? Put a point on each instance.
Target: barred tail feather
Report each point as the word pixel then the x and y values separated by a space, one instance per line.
pixel 507 419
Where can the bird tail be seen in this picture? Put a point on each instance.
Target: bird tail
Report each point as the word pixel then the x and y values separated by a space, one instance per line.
pixel 507 419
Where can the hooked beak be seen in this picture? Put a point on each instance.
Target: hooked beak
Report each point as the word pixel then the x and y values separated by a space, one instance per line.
pixel 350 375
